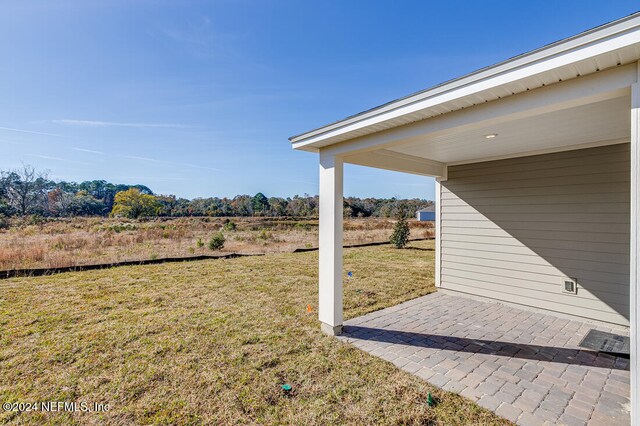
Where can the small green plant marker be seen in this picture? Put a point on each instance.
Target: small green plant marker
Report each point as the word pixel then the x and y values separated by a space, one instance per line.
pixel 429 400
pixel 286 387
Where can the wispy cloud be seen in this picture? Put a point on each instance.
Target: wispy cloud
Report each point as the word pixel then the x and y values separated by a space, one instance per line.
pixel 195 166
pixel 49 157
pixel 11 129
pixel 90 151
pixel 135 157
pixel 99 123
pixel 155 178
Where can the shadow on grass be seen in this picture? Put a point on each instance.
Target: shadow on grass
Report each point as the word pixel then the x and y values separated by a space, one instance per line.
pixel 419 248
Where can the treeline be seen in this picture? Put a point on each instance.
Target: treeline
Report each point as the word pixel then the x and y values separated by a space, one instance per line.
pixel 27 191
pixel 306 205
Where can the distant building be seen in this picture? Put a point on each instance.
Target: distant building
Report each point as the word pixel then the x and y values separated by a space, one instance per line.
pixel 426 214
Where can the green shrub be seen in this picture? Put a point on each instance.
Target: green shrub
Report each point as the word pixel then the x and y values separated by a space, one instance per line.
pixel 58 245
pixel 400 235
pixel 35 219
pixel 120 227
pixel 265 235
pixel 199 243
pixel 303 226
pixel 217 241
pixel 229 226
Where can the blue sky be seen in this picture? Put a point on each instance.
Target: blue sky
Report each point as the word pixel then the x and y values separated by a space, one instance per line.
pixel 198 98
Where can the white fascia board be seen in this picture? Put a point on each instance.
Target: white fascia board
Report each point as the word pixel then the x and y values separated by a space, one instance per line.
pixel 588 45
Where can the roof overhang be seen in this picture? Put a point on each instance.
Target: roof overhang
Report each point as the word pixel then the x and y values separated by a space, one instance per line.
pixel 608 46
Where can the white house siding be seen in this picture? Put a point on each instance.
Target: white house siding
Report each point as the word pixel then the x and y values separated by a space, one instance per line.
pixel 513 229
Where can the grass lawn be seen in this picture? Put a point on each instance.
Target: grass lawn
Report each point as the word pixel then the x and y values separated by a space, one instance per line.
pixel 211 342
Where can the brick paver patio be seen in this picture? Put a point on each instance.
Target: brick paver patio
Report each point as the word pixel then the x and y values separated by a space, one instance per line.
pixel 525 366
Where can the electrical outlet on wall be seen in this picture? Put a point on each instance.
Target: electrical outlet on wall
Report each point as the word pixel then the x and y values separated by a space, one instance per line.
pixel 570 285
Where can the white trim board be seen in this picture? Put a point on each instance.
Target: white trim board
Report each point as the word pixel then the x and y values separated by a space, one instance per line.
pixel 635 251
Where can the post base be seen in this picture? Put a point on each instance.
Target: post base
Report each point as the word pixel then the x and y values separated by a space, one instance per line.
pixel 331 330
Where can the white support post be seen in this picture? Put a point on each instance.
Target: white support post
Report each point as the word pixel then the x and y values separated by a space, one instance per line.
pixel 438 230
pixel 330 270
pixel 634 331
pixel 438 224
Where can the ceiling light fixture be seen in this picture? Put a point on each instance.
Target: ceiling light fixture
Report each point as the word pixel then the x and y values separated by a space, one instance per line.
pixel 490 136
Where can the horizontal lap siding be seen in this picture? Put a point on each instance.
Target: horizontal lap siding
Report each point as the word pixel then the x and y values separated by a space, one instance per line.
pixel 513 229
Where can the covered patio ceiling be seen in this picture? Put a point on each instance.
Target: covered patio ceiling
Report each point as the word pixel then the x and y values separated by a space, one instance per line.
pixel 603 122
pixel 583 113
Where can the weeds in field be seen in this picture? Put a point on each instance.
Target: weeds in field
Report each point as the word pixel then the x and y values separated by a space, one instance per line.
pixel 119 227
pixel 265 235
pixel 230 226
pixel 304 226
pixel 35 219
pixel 102 240
pixel 21 257
pixel 59 260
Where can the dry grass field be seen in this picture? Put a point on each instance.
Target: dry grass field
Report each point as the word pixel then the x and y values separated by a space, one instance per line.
pixel 81 241
pixel 211 342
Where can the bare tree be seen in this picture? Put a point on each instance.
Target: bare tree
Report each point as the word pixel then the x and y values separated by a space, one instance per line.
pixel 60 202
pixel 25 188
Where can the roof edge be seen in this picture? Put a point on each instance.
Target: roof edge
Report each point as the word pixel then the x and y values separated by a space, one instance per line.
pixel 559 47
